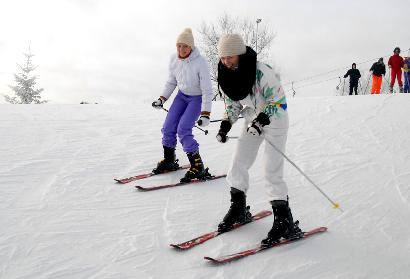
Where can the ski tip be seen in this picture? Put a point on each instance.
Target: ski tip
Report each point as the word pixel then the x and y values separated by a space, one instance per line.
pixel 212 260
pixel 117 180
pixel 322 229
pixel 140 188
pixel 176 246
pixel 179 247
pixel 317 230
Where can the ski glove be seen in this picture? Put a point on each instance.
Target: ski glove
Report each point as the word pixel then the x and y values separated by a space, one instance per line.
pixel 158 103
pixel 223 131
pixel 204 119
pixel 255 127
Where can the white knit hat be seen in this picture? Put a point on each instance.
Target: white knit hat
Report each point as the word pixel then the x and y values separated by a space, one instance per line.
pixel 186 37
pixel 230 45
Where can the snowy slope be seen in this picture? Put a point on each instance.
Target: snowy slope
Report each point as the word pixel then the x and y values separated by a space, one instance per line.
pixel 62 216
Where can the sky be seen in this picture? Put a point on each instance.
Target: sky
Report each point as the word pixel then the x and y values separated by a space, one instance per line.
pixel 117 52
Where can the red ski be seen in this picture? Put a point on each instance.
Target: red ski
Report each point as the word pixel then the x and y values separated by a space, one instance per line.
pixel 145 175
pixel 259 247
pixel 201 239
pixel 151 188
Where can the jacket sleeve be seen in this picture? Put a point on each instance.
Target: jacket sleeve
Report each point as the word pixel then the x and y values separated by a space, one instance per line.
pixel 272 93
pixel 360 75
pixel 372 67
pixel 384 70
pixel 347 74
pixel 206 86
pixel 389 63
pixel 232 110
pixel 171 82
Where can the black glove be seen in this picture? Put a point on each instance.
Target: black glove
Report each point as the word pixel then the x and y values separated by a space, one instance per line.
pixel 255 127
pixel 158 103
pixel 223 131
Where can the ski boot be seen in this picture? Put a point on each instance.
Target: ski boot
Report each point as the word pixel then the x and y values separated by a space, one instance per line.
pixel 169 163
pixel 401 89
pixel 283 225
pixel 391 89
pixel 237 213
pixel 197 170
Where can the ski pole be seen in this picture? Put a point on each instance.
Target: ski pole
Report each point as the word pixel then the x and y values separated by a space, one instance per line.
pixel 338 86
pixel 335 204
pixel 367 85
pixel 360 88
pixel 219 120
pixel 199 128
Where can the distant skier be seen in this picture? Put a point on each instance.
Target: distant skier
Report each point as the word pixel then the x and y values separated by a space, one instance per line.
pixel 190 72
pixel 252 89
pixel 354 78
pixel 406 74
pixel 395 64
pixel 379 70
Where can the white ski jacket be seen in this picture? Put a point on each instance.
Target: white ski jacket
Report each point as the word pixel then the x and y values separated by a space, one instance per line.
pixel 192 77
pixel 268 97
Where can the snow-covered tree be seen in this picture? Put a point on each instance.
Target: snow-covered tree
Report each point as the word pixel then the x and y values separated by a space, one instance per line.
pixel 259 38
pixel 25 84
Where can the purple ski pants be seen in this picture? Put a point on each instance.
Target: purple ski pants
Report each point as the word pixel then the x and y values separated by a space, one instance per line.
pixel 181 118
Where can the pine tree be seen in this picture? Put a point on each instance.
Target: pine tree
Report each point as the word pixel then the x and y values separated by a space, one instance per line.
pixel 25 83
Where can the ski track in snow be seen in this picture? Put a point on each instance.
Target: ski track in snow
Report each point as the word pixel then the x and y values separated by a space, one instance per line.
pixel 62 216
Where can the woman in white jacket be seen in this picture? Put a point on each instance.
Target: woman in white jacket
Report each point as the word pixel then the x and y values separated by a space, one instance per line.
pixel 252 89
pixel 188 71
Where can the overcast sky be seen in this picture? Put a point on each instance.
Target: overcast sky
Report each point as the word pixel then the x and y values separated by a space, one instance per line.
pixel 117 51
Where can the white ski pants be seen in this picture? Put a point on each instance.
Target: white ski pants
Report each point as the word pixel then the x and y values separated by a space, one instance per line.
pixel 245 155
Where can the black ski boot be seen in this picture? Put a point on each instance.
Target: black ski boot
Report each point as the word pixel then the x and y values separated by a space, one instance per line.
pixel 283 225
pixel 238 212
pixel 169 163
pixel 197 170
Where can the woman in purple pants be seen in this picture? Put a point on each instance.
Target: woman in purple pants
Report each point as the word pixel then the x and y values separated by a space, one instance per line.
pixel 190 72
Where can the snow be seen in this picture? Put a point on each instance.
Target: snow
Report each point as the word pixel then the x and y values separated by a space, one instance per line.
pixel 62 215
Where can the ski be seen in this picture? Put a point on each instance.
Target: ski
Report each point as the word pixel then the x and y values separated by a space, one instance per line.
pixel 205 237
pixel 151 188
pixel 145 175
pixel 259 248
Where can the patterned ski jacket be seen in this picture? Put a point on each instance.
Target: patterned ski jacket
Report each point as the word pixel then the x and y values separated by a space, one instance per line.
pixel 267 96
pixel 192 77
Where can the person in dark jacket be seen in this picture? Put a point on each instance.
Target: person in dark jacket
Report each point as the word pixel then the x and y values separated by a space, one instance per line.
pixel 378 69
pixel 354 78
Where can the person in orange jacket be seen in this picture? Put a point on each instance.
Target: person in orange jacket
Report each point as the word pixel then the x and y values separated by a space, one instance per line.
pixel 396 62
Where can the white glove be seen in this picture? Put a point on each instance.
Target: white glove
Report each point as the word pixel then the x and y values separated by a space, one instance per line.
pixel 158 103
pixel 203 121
pixel 222 138
pixel 254 128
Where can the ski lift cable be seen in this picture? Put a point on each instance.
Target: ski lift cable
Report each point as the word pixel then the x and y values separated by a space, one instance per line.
pixel 331 71
pixel 310 84
pixel 325 73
